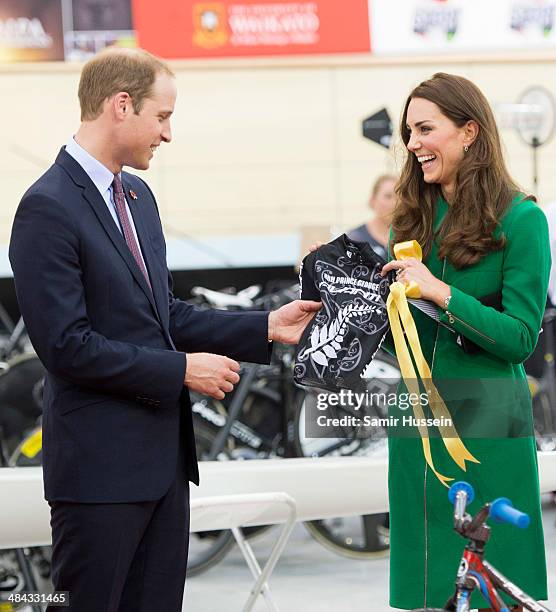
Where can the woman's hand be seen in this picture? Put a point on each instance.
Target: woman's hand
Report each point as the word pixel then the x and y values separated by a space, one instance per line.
pixel 315 246
pixel 412 269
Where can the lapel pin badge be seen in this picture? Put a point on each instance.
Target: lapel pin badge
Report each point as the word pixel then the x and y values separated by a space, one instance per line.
pixel 132 194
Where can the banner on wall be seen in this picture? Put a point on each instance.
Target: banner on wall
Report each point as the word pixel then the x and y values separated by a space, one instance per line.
pixel 531 24
pixel 31 30
pixel 177 29
pixel 93 25
pixel 453 26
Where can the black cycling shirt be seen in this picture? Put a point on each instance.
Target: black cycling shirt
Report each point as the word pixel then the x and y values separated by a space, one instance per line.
pixel 338 345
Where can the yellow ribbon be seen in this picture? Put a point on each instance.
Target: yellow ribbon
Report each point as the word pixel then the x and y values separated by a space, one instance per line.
pixel 400 321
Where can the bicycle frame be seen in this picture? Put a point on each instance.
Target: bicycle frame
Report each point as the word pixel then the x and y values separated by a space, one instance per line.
pixel 471 575
pixel 508 587
pixel 474 572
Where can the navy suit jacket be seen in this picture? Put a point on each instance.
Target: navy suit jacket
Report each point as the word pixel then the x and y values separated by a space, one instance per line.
pixel 114 350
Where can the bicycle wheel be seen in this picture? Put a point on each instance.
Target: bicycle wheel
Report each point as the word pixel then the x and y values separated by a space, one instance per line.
pixel 359 537
pixel 28 452
pixel 206 548
pixel 20 397
pixel 383 376
pixel 12 580
pixel 356 537
pixel 345 442
pixel 251 437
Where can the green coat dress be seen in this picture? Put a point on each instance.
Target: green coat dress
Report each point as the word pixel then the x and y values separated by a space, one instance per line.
pixel 493 416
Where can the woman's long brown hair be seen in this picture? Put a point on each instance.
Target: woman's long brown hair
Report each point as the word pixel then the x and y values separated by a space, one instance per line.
pixel 483 187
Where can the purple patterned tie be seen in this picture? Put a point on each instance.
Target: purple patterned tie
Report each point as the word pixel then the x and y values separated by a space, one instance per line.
pixel 129 236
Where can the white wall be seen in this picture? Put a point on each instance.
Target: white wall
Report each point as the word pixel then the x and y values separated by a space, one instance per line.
pixel 264 147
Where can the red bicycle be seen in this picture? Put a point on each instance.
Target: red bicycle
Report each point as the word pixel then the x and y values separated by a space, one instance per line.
pixel 474 571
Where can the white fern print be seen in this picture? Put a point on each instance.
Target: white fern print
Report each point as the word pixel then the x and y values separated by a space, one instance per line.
pixel 325 341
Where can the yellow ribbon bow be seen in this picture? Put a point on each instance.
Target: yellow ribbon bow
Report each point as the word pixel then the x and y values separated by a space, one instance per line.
pixel 400 321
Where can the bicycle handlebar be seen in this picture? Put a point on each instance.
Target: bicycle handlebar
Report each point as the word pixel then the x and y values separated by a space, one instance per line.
pixel 502 511
pixel 461 486
pixel 460 494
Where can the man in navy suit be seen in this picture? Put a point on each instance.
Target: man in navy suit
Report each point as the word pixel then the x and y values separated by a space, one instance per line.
pixel 89 262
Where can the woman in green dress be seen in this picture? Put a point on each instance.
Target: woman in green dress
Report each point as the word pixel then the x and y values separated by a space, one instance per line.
pixel 486 263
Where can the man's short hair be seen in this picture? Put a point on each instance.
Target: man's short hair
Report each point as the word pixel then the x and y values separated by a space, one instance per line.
pixel 131 70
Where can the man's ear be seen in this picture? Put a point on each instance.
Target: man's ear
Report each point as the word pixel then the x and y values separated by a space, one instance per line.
pixel 121 104
pixel 471 131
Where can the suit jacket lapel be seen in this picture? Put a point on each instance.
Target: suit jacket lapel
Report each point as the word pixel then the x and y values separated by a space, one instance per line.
pixel 97 203
pixel 146 249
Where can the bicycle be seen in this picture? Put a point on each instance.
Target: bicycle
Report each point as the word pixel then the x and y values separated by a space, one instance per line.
pixel 265 418
pixel 474 571
pixel 24 569
pixel 21 569
pixel 21 375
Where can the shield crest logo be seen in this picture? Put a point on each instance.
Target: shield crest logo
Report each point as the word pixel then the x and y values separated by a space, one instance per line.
pixel 209 25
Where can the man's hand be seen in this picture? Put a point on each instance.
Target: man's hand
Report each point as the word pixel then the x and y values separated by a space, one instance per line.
pixel 209 374
pixel 288 322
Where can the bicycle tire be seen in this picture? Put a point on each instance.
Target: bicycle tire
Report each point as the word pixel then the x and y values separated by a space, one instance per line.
pixel 373 541
pixel 233 449
pixel 222 540
pixel 28 452
pixel 386 374
pixel 19 397
pixel 223 543
pixel 370 542
pixel 376 547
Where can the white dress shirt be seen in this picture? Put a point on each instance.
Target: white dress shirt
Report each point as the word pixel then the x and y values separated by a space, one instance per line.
pixel 102 179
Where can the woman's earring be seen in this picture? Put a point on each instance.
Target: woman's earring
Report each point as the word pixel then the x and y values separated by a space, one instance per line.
pixel 466 148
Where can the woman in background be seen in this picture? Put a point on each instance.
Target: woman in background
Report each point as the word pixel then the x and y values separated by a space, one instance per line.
pixel 382 202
